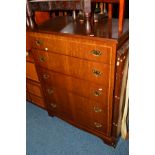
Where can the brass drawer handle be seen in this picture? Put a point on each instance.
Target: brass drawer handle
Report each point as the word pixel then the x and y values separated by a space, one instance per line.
pixel 39 42
pixel 97 73
pixel 96 53
pixel 45 76
pixel 98 125
pixel 50 91
pixel 97 109
pixel 97 93
pixel 53 105
pixel 42 59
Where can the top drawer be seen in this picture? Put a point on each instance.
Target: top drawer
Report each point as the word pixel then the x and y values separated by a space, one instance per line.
pixel 76 47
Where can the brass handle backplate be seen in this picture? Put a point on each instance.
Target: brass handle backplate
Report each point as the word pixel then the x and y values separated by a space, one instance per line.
pixel 98 125
pixel 42 59
pixel 97 93
pixel 96 53
pixel 39 42
pixel 53 105
pixel 97 109
pixel 50 91
pixel 97 73
pixel 45 76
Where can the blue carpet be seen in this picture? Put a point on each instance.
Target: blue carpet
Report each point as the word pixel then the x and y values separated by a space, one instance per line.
pixel 51 136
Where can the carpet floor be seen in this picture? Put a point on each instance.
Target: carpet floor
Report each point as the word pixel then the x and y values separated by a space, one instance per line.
pixel 51 136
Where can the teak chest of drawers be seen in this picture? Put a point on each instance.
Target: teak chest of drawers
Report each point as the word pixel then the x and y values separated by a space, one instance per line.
pixel 81 79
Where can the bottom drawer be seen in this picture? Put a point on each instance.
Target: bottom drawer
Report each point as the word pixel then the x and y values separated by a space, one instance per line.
pixel 37 100
pixel 94 121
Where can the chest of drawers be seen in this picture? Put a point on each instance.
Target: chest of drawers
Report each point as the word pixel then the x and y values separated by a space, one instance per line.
pixel 81 79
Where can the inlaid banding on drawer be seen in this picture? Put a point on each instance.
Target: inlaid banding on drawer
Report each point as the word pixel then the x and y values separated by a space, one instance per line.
pixel 85 49
pixel 74 67
pixel 75 85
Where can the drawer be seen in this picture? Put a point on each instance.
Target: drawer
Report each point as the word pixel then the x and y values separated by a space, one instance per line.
pixel 81 87
pixel 37 100
pixel 88 70
pixel 90 120
pixel 31 72
pixel 76 47
pixel 82 110
pixel 34 88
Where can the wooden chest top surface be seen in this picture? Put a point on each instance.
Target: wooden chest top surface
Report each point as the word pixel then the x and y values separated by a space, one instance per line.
pixel 108 29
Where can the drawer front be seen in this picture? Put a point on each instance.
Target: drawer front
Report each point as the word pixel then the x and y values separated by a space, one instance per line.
pixel 34 88
pixel 31 72
pixel 88 70
pixel 94 123
pixel 75 85
pixel 81 48
pixel 37 100
pixel 82 110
